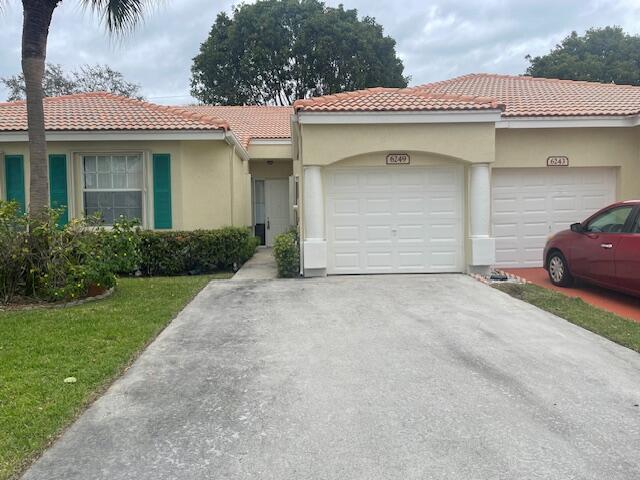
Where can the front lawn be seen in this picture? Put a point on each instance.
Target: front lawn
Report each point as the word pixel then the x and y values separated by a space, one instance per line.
pixel 615 328
pixel 94 343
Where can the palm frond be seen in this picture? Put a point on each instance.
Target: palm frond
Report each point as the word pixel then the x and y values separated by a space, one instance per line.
pixel 119 15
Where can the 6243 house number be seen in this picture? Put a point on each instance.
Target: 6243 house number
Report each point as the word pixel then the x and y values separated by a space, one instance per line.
pixel 398 159
pixel 558 161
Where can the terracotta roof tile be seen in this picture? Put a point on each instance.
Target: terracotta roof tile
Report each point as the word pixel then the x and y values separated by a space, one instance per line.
pixel 251 122
pixel 528 96
pixel 105 111
pixel 397 100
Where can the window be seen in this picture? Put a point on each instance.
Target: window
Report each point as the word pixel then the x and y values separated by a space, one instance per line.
pixel 636 228
pixel 113 186
pixel 611 221
pixel 259 202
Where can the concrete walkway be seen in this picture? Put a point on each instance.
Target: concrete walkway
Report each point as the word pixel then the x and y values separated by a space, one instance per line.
pixel 262 266
pixel 362 378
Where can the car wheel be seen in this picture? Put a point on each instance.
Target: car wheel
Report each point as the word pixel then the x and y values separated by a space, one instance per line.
pixel 559 270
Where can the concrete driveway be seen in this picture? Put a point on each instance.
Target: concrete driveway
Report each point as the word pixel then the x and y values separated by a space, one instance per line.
pixel 385 377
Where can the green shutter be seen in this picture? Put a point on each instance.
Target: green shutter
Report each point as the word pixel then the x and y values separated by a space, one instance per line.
pixel 58 185
pixel 14 178
pixel 162 191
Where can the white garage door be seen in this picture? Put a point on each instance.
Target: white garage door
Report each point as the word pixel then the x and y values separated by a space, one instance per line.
pixel 530 203
pixel 394 220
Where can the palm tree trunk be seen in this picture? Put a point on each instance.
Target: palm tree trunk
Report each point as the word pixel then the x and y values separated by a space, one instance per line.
pixel 35 29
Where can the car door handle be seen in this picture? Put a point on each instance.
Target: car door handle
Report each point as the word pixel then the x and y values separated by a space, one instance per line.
pixel 606 245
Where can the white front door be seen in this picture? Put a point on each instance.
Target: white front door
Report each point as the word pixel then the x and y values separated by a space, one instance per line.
pixel 276 195
pixel 395 219
pixel 529 204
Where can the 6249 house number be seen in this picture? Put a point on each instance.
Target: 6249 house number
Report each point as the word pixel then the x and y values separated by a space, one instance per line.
pixel 558 161
pixel 398 159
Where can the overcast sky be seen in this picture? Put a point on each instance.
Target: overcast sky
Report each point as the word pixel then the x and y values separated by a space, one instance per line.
pixel 436 39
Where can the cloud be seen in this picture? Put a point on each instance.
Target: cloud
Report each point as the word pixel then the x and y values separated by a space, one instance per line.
pixel 436 39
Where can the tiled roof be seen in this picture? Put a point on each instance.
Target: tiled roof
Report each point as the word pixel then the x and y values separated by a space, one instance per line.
pixel 396 100
pixel 105 111
pixel 251 122
pixel 527 96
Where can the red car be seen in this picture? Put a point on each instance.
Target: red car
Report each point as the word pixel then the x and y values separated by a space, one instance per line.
pixel 604 250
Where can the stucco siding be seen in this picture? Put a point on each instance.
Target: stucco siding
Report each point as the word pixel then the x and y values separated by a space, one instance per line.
pixel 201 179
pixel 275 151
pixel 205 185
pixel 240 182
pixel 325 144
pixel 585 147
pixel 278 169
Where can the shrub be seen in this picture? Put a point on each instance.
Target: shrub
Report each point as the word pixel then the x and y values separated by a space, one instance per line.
pixel 41 260
pixel 14 250
pixel 286 249
pixel 194 252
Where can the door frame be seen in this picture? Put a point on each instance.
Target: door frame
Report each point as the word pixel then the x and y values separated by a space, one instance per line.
pixel 253 201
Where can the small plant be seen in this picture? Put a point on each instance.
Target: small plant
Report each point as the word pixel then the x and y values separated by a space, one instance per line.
pixel 286 250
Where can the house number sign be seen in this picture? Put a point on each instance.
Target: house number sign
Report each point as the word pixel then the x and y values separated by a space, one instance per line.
pixel 558 161
pixel 398 159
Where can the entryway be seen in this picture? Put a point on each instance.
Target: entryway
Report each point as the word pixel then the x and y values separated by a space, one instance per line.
pixel 271 208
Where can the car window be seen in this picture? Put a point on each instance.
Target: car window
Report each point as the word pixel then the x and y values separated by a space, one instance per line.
pixel 611 221
pixel 636 228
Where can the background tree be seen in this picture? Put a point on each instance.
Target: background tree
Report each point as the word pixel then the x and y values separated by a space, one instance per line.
pixel 277 51
pixel 118 15
pixel 601 55
pixel 88 78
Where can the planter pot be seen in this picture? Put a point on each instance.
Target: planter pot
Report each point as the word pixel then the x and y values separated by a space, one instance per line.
pixel 95 290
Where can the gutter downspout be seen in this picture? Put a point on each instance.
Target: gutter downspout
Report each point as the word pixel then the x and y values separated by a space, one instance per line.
pixel 298 130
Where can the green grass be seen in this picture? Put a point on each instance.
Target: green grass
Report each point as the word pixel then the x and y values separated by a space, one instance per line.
pixel 94 342
pixel 611 326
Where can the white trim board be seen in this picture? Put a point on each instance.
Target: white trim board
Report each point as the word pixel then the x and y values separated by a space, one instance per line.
pixel 461 116
pixel 270 141
pixel 570 122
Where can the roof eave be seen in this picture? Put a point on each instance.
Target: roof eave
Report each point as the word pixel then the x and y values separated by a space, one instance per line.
pixel 574 121
pixel 487 115
pixel 117 135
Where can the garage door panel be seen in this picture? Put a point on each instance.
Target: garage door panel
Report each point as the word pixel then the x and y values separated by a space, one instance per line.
pixel 528 204
pixel 595 202
pixel 377 180
pixel 348 233
pixel 399 226
pixel 377 206
pixel 379 260
pixel 561 203
pixel 348 181
pixel 411 233
pixel 443 260
pixel 439 205
pixel 377 234
pixel 411 206
pixel 345 206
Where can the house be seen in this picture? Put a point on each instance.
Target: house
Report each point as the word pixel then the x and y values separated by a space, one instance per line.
pixel 452 176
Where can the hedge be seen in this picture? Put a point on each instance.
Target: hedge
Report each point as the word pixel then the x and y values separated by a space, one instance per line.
pixel 286 250
pixel 194 252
